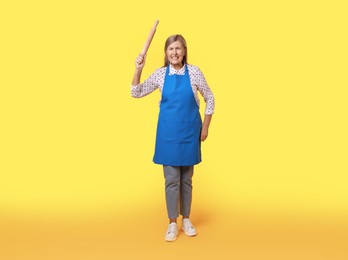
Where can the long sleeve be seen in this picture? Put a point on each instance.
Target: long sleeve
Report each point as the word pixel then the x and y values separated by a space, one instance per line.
pixel 154 81
pixel 198 83
pixel 198 80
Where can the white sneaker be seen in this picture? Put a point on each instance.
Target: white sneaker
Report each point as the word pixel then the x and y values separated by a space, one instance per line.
pixel 188 228
pixel 172 232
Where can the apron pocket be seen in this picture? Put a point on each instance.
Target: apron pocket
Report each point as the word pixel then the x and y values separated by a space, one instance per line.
pixel 178 132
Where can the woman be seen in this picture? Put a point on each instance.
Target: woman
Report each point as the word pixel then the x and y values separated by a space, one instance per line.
pixel 179 129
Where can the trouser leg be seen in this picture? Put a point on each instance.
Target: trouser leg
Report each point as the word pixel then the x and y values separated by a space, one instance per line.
pixel 172 190
pixel 186 190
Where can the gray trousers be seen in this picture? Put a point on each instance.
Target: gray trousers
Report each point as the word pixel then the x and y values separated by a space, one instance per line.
pixel 178 188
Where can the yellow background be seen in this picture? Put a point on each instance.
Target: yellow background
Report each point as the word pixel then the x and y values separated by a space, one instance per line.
pixel 76 174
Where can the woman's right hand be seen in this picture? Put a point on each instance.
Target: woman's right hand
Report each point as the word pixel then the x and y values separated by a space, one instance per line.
pixel 140 61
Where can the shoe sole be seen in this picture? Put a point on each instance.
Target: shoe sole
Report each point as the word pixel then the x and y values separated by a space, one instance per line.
pixel 188 234
pixel 170 239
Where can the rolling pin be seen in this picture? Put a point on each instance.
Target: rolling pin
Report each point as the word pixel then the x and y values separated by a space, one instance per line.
pixel 149 39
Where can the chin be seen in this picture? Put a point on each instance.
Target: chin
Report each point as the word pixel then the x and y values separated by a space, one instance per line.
pixel 176 63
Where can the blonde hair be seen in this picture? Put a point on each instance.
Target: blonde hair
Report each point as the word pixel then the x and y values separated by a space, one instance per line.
pixel 169 41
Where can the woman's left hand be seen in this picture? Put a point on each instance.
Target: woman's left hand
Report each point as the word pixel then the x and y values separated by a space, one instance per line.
pixel 204 133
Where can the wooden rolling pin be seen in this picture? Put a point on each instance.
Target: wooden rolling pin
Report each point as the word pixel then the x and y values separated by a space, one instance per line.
pixel 149 39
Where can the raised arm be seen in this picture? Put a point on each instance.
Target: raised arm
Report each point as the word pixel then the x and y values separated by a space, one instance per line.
pixel 139 65
pixel 138 89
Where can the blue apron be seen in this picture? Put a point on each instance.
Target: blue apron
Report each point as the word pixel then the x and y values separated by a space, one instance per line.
pixel 179 123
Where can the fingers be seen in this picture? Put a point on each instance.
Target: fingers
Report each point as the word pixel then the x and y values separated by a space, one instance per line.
pixel 204 134
pixel 203 137
pixel 140 60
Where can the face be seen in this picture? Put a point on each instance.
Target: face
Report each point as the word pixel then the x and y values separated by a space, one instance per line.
pixel 175 54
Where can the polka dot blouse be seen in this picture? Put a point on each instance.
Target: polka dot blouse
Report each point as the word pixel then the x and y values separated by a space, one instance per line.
pixel 198 83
